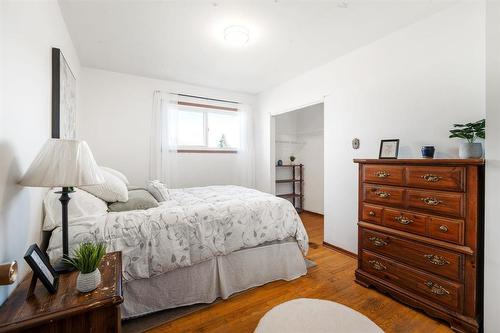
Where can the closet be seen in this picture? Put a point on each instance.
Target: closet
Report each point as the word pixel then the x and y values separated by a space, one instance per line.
pixel 299 133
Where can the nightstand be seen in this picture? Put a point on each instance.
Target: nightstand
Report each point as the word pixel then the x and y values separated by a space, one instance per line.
pixel 67 310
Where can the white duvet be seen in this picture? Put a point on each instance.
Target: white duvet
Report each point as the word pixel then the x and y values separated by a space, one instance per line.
pixel 197 224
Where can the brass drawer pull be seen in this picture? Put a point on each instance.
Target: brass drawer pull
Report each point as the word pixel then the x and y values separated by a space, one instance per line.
pixel 382 194
pixel 431 178
pixel 371 213
pixel 377 265
pixel 443 228
pixel 431 201
pixel 436 260
pixel 377 241
pixel 403 220
pixel 382 174
pixel 436 288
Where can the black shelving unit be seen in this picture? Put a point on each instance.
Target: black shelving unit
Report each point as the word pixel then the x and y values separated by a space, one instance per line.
pixel 296 182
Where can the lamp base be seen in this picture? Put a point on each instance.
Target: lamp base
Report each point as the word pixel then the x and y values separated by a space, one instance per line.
pixel 61 267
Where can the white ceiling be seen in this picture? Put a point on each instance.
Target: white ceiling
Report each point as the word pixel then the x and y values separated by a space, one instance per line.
pixel 183 40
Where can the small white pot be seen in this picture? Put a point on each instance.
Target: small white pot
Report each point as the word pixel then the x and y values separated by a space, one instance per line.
pixel 470 150
pixel 88 282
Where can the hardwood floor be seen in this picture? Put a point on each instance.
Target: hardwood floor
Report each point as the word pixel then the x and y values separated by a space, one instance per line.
pixel 332 279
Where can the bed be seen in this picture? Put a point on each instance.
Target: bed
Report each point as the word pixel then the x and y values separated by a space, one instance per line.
pixel 202 244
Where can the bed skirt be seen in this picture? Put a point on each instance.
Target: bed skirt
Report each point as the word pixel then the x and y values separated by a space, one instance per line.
pixel 217 277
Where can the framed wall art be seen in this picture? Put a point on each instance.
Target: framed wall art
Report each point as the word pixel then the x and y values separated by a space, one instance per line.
pixel 63 98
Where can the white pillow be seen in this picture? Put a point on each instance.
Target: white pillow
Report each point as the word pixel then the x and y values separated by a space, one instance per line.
pixel 158 190
pixel 117 174
pixel 113 189
pixel 82 204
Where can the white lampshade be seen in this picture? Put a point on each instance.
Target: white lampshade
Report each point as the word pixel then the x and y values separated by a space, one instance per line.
pixel 63 163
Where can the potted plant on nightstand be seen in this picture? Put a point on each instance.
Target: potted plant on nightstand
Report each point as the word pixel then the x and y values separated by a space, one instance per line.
pixel 86 259
pixel 470 132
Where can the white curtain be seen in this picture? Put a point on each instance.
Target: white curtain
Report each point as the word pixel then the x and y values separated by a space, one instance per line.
pixel 245 169
pixel 163 147
pixel 164 159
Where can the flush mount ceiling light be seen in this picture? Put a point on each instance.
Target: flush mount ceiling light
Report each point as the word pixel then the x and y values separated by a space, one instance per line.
pixel 236 35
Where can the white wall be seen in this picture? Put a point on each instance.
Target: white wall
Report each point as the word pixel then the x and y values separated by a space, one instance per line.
pixel 492 226
pixel 114 117
pixel 28 31
pixel 412 84
pixel 303 127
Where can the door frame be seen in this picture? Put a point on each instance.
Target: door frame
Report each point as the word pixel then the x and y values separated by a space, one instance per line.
pixel 272 137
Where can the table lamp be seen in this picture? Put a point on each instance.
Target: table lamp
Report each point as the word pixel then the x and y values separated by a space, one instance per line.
pixel 63 163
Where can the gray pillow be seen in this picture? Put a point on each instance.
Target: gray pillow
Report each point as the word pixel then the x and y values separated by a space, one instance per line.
pixel 137 199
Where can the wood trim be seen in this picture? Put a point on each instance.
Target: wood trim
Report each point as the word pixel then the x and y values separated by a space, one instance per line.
pixel 423 161
pixel 341 250
pixel 212 151
pixel 207 106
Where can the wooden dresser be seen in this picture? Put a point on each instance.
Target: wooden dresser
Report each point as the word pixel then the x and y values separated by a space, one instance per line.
pixel 420 235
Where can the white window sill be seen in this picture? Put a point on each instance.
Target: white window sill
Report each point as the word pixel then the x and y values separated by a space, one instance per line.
pixel 207 150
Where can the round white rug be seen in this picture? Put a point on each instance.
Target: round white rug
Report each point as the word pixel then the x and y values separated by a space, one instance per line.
pixel 315 316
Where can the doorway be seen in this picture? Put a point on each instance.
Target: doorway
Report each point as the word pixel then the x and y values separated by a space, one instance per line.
pixel 299 136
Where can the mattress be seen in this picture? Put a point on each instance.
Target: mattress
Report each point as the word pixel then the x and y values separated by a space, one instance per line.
pixel 197 225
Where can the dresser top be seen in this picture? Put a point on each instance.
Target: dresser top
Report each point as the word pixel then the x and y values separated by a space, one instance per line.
pixel 423 161
pixel 20 312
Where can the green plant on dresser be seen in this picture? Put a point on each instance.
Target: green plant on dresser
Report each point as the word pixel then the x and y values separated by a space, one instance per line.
pixel 470 132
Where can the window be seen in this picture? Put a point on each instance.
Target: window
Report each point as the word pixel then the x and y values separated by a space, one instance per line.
pixel 208 128
pixel 190 128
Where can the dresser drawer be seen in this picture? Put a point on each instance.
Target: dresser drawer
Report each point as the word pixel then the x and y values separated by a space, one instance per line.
pixel 436 289
pixel 406 221
pixel 446 229
pixel 439 178
pixel 383 194
pixel 383 174
pixel 429 258
pixel 372 214
pixel 451 204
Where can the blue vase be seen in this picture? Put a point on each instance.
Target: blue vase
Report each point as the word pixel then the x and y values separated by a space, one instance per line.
pixel 428 151
pixel 280 163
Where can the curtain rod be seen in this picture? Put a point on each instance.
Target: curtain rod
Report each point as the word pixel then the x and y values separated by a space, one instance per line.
pixel 209 99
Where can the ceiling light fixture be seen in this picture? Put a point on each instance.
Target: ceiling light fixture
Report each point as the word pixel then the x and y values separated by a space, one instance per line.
pixel 236 35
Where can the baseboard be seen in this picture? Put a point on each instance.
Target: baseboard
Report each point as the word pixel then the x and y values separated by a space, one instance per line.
pixel 341 250
pixel 312 213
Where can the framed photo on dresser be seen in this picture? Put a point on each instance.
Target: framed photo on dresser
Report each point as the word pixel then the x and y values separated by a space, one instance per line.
pixel 42 269
pixel 389 149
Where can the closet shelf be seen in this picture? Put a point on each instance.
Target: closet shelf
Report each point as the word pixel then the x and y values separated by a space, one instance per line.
pixel 289 165
pixel 290 195
pixel 288 181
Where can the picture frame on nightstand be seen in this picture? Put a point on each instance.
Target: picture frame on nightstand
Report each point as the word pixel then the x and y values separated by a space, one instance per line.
pixel 42 269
